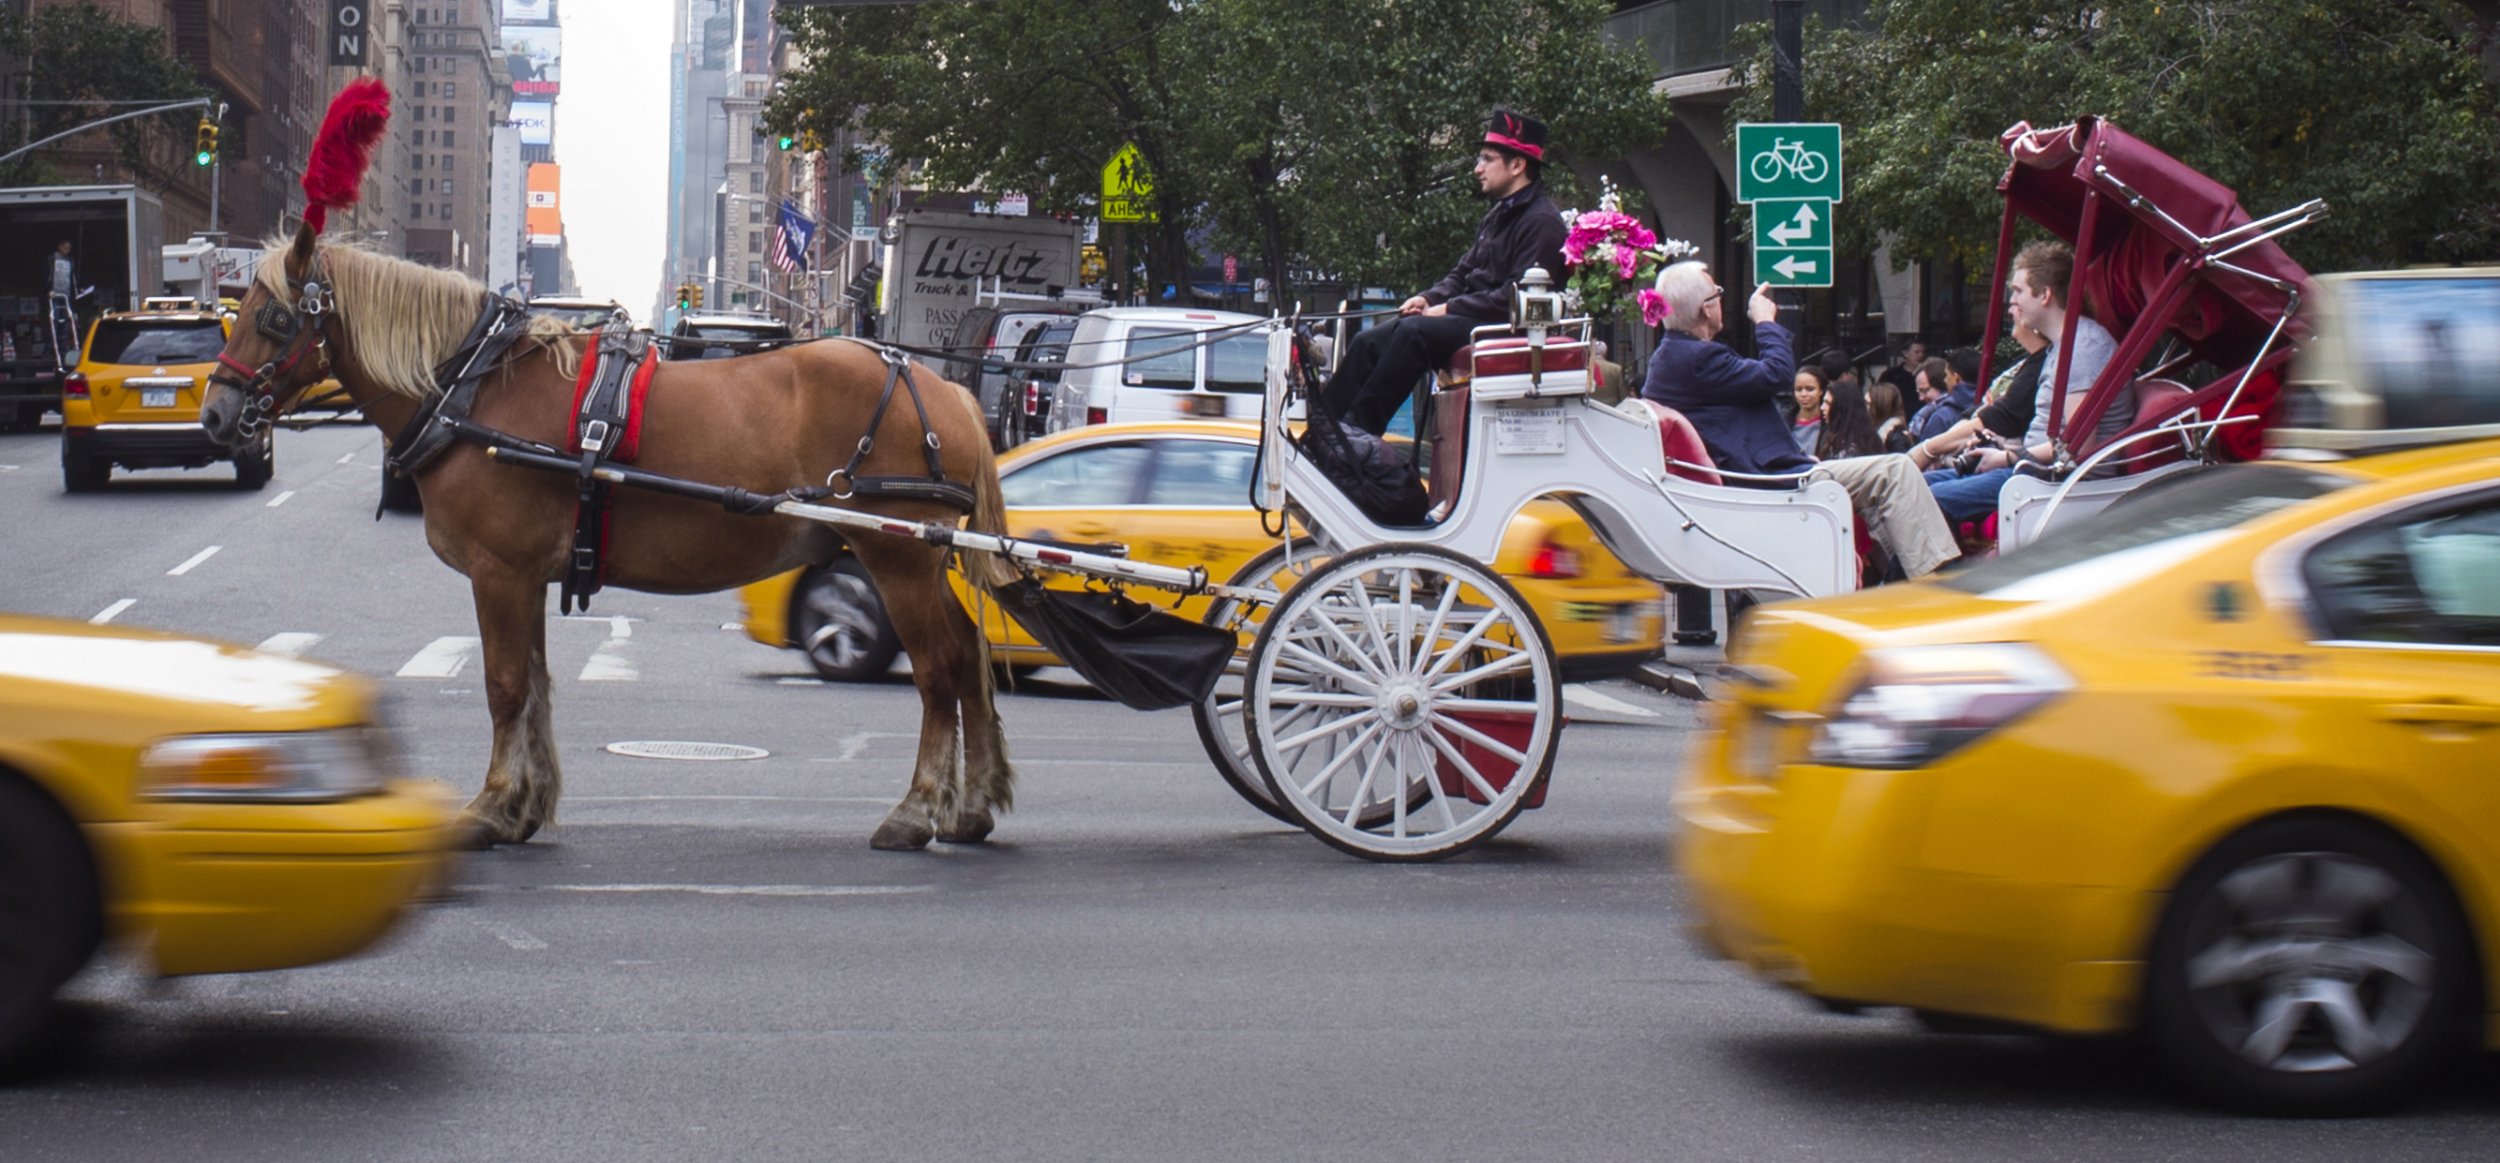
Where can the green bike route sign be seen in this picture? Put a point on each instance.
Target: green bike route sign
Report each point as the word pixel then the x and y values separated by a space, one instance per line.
pixel 1787 160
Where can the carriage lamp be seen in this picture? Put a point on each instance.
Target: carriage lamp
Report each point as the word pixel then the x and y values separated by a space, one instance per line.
pixel 1918 704
pixel 283 766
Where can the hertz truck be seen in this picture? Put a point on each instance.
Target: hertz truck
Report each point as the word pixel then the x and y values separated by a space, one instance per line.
pixel 936 261
pixel 116 236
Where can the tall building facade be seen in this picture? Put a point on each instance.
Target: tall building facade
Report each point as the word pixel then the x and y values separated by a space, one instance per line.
pixel 533 47
pixel 456 94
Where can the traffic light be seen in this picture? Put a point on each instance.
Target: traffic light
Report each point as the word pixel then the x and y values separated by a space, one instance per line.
pixel 787 140
pixel 698 296
pixel 685 295
pixel 204 142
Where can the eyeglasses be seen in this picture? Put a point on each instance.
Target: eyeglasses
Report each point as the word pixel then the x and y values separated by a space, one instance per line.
pixel 1713 296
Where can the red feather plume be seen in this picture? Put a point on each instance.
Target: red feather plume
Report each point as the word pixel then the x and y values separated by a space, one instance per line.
pixel 335 174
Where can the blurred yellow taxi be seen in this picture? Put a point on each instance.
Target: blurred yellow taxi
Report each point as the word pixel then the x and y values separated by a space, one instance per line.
pixel 135 400
pixel 1178 493
pixel 2221 766
pixel 213 808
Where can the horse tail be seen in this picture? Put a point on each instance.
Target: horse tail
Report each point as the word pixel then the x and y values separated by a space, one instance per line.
pixel 989 514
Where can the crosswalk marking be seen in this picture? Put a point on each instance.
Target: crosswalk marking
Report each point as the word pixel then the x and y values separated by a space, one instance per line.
pixel 291 643
pixel 1597 701
pixel 441 658
pixel 609 664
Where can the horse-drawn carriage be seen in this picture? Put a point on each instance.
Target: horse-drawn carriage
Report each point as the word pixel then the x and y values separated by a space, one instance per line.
pixel 1394 695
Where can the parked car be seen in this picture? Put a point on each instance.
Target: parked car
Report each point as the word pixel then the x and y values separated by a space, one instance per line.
pixel 1025 407
pixel 1227 376
pixel 135 400
pixel 1177 493
pixel 984 339
pixel 743 334
pixel 216 809
pixel 2215 766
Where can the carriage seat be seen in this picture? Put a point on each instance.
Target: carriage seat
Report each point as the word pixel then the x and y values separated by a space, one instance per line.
pixel 2157 401
pixel 1462 369
pixel 1682 442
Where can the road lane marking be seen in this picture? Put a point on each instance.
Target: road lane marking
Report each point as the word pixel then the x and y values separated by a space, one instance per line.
pixel 516 937
pixel 768 890
pixel 113 611
pixel 1596 701
pixel 195 561
pixel 650 799
pixel 278 500
pixel 441 658
pixel 291 643
pixel 345 459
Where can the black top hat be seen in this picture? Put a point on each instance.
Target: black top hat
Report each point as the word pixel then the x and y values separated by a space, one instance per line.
pixel 1516 133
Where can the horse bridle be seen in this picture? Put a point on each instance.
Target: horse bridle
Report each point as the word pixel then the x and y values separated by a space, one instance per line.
pixel 299 330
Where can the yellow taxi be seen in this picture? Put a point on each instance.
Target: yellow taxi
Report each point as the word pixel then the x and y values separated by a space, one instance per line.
pixel 1177 493
pixel 211 808
pixel 135 400
pixel 2217 766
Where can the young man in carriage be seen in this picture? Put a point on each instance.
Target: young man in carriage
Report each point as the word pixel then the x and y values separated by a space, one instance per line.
pixel 1733 402
pixel 1523 229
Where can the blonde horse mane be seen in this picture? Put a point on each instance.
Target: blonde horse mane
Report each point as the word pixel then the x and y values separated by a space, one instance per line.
pixel 402 319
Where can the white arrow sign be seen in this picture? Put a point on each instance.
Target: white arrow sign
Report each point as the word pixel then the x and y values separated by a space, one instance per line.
pixel 1790 266
pixel 1797 228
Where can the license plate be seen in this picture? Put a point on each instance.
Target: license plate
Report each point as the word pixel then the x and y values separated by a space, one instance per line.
pixel 156 397
pixel 1202 406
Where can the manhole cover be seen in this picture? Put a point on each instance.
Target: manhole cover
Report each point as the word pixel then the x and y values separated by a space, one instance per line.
pixel 677 749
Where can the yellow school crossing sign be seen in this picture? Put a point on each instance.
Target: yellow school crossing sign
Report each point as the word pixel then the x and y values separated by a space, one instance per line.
pixel 1128 188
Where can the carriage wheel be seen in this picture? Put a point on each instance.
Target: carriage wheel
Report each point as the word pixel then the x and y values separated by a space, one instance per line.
pixel 1402 703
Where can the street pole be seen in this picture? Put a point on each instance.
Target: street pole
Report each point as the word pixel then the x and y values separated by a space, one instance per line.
pixel 1788 94
pixel 216 173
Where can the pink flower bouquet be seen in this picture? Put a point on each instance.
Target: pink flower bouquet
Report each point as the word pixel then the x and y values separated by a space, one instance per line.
pixel 1611 258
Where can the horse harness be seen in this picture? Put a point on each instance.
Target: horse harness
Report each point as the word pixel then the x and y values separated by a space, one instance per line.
pixel 299 329
pixel 618 363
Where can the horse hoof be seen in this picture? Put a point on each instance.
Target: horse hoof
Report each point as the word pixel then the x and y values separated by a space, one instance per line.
pixel 970 828
pixel 477 835
pixel 896 835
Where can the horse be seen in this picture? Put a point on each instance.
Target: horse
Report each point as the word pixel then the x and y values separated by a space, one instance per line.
pixel 765 422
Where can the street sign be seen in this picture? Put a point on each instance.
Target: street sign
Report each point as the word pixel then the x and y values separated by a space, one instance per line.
pixel 1128 187
pixel 1792 242
pixel 1794 160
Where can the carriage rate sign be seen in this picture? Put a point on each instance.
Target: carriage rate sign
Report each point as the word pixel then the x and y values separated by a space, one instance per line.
pixel 1790 174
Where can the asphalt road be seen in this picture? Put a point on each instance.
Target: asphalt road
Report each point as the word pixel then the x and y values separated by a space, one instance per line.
pixel 705 960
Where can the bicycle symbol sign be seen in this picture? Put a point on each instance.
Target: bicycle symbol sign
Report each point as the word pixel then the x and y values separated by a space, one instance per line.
pixel 1787 161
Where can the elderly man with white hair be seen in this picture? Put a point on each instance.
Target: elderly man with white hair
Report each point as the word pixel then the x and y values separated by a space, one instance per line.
pixel 1733 402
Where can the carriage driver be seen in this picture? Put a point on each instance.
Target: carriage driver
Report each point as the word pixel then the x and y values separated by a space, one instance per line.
pixel 1522 230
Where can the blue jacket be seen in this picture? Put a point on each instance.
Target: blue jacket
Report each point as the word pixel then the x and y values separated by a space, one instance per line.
pixel 1733 401
pixel 1944 411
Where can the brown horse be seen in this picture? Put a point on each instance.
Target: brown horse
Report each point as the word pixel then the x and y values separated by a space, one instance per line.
pixel 765 422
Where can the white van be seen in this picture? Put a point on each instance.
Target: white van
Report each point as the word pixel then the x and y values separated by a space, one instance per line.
pixel 1225 378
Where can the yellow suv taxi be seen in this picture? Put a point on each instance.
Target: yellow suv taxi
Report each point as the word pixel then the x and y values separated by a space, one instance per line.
pixel 2216 765
pixel 135 400
pixel 211 808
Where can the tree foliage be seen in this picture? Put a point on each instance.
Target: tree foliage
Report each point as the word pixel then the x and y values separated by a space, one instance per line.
pixel 2381 107
pixel 81 53
pixel 1336 136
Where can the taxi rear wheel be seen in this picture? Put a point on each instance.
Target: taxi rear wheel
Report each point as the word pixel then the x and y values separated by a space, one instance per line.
pixel 838 619
pixel 2310 965
pixel 83 474
pixel 50 917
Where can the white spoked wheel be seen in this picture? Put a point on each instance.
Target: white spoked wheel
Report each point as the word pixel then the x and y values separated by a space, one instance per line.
pixel 1218 716
pixel 1403 703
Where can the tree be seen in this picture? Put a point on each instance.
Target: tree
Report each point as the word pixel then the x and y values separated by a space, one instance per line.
pixel 2381 107
pixel 80 53
pixel 1337 136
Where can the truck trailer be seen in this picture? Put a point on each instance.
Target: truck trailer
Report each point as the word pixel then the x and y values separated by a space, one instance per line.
pixel 116 236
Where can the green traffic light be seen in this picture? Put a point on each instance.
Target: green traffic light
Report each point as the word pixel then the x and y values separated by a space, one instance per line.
pixel 203 157
pixel 787 141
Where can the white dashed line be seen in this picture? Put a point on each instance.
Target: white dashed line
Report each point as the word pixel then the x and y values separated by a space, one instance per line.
pixel 608 663
pixel 517 938
pixel 800 890
pixel 280 499
pixel 441 658
pixel 195 561
pixel 1603 702
pixel 292 643
pixel 346 458
pixel 113 611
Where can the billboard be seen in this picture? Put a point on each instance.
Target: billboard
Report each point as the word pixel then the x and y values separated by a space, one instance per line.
pixel 532 54
pixel 536 120
pixel 529 11
pixel 545 220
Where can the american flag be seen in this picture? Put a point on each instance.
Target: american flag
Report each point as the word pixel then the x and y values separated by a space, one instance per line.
pixel 790 239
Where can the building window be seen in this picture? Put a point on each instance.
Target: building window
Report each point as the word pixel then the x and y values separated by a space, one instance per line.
pixel 755 273
pixel 755 181
pixel 755 242
pixel 445 136
pixel 755 212
pixel 446 186
pixel 447 161
pixel 416 186
pixel 446 114
pixel 449 89
pixel 446 212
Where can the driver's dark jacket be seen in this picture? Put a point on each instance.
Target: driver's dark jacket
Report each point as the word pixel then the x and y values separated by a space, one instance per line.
pixel 1521 231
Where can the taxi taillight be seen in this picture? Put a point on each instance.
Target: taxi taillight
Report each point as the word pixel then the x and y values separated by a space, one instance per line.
pixel 1553 560
pixel 75 387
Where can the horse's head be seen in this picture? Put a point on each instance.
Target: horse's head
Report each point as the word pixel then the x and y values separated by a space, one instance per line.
pixel 279 347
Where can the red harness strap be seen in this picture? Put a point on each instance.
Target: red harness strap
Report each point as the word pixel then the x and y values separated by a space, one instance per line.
pixel 629 446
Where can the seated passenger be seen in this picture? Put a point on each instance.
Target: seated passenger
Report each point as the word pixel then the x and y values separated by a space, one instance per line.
pixel 1733 402
pixel 2037 291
